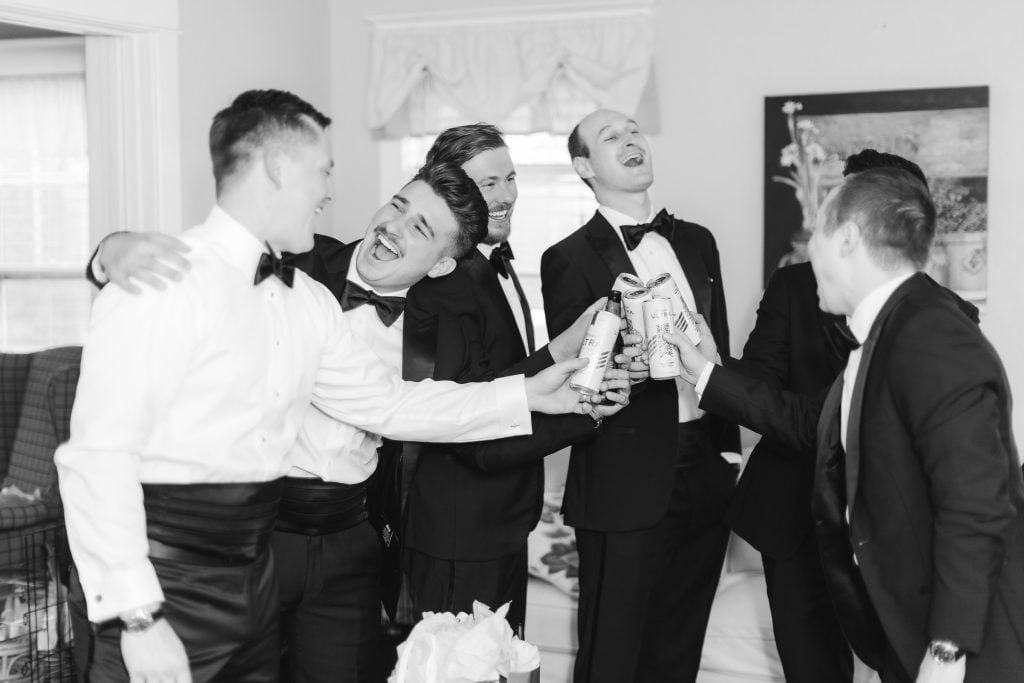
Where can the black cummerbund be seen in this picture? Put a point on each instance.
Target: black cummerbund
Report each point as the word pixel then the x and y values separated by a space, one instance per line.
pixel 210 524
pixel 314 507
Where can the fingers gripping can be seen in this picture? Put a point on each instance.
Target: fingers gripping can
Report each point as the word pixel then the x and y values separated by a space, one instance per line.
pixel 664 286
pixel 633 311
pixel 597 349
pixel 658 321
pixel 627 282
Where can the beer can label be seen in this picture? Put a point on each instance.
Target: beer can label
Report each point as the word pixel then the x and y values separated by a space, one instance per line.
pixel 627 282
pixel 664 286
pixel 658 321
pixel 597 348
pixel 633 310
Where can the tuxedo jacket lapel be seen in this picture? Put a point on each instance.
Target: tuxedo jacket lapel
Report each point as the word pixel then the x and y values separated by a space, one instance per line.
pixel 602 238
pixel 694 269
pixel 482 274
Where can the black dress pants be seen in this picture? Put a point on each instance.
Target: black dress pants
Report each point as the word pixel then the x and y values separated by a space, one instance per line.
pixel 810 641
pixel 645 595
pixel 330 604
pixel 225 616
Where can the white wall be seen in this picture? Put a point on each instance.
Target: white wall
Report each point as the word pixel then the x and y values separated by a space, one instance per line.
pixel 716 61
pixel 229 46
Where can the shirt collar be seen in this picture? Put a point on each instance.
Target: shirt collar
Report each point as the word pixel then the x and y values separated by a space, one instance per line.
pixel 617 219
pixel 353 276
pixel 485 249
pixel 868 309
pixel 241 248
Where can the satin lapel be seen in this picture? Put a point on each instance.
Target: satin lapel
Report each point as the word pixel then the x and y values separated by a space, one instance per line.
pixel 480 271
pixel 328 263
pixel 602 238
pixel 853 431
pixel 828 472
pixel 694 269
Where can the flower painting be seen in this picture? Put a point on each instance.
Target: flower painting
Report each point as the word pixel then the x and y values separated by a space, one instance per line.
pixel 945 131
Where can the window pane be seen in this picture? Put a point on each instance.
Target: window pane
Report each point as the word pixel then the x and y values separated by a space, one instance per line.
pixel 40 313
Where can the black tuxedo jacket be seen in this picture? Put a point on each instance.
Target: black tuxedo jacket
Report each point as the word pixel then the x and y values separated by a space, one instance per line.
pixel 477 501
pixel 623 480
pixel 787 348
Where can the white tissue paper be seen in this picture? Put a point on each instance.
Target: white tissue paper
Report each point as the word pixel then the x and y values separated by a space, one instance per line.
pixel 463 648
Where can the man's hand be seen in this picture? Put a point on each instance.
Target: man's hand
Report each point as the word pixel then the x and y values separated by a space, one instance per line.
pixel 633 358
pixel 155 655
pixel 548 391
pixel 934 671
pixel 615 388
pixel 692 358
pixel 149 257
pixel 567 345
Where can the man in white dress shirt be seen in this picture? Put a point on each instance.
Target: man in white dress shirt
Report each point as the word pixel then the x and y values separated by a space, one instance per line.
pixel 189 401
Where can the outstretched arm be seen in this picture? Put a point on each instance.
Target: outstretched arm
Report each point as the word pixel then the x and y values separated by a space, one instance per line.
pixel 151 258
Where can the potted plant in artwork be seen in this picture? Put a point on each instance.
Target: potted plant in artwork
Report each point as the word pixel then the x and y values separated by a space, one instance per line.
pixel 961 222
pixel 808 165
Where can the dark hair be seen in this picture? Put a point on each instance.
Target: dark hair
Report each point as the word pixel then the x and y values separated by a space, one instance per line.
pixel 867 159
pixel 460 144
pixel 253 118
pixel 578 148
pixel 463 198
pixel 893 210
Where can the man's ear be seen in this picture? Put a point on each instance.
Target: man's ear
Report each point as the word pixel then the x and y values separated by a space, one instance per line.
pixel 849 237
pixel 582 167
pixel 442 267
pixel 274 158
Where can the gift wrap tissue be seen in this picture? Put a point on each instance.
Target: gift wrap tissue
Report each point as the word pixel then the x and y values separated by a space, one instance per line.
pixel 466 648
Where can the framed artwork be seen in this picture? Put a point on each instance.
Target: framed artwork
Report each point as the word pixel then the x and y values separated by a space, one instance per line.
pixel 944 131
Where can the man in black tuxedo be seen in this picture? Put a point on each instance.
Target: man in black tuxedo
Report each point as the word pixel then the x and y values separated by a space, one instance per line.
pixel 471 507
pixel 918 491
pixel 648 496
pixel 793 346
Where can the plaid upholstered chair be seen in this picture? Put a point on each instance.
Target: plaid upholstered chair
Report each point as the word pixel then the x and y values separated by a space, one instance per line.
pixel 36 394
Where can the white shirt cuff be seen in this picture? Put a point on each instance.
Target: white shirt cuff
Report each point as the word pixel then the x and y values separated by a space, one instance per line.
pixel 702 381
pixel 123 590
pixel 513 407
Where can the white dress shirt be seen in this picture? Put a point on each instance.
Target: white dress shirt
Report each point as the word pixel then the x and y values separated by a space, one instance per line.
pixel 514 302
pixel 336 451
pixel 652 257
pixel 860 324
pixel 208 382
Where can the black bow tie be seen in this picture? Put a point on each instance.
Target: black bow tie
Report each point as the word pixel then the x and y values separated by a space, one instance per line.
pixel 500 256
pixel 388 307
pixel 661 224
pixel 841 338
pixel 283 267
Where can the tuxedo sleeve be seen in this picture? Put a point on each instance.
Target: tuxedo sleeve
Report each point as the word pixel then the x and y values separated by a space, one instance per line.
pixel 767 351
pixel 566 295
pixel 950 391
pixel 758 405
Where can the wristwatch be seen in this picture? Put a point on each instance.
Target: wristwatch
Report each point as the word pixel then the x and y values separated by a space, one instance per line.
pixel 141 620
pixel 945 651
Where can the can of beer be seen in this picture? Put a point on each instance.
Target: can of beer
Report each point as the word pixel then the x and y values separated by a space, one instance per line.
pixel 665 286
pixel 626 282
pixel 663 359
pixel 633 310
pixel 597 349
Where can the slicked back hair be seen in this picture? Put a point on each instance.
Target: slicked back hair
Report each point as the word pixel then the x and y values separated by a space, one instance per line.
pixel 463 198
pixel 460 144
pixel 867 159
pixel 893 210
pixel 255 117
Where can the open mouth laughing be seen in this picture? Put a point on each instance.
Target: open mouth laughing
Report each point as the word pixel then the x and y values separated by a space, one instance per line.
pixel 634 159
pixel 384 247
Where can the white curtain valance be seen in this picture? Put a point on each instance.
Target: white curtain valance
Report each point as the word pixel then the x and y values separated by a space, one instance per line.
pixel 525 75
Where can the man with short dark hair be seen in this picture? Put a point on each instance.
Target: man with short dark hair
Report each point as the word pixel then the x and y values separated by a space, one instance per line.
pixel 189 401
pixel 647 497
pixel 918 493
pixel 793 346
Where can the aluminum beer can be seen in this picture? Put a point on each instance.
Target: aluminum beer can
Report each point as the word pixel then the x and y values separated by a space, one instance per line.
pixel 665 286
pixel 597 349
pixel 663 359
pixel 626 282
pixel 633 310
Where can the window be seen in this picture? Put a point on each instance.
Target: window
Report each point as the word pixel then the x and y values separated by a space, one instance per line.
pixel 44 205
pixel 553 202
